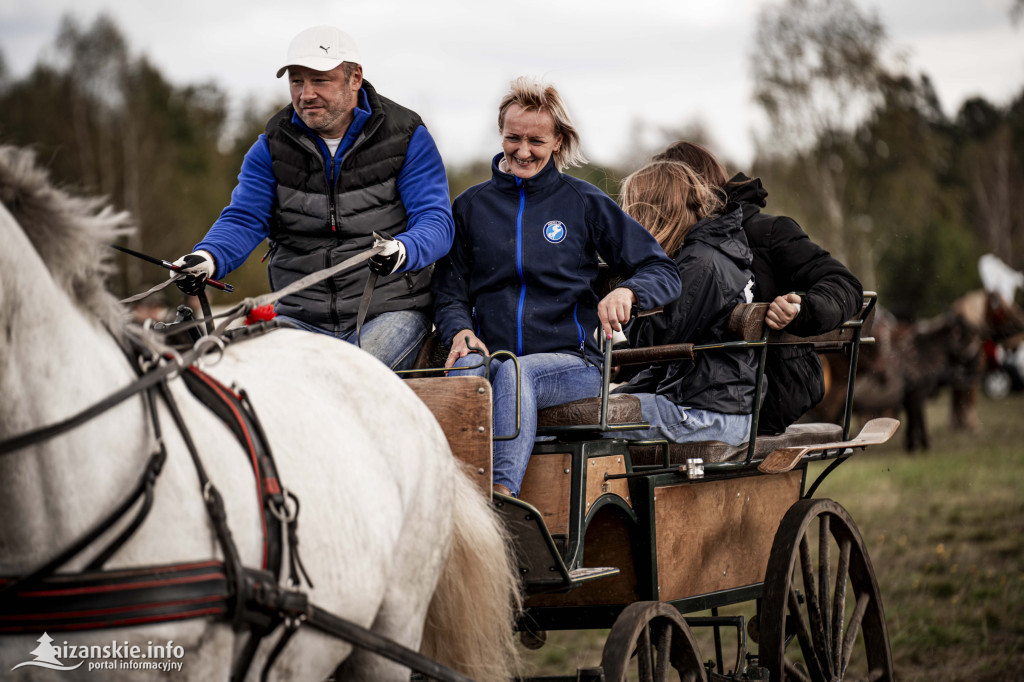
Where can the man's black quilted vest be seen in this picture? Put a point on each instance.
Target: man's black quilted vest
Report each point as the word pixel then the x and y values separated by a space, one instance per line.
pixel 315 226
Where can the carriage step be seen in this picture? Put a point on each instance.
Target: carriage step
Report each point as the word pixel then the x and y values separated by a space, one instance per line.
pixel 583 575
pixel 875 432
pixel 540 563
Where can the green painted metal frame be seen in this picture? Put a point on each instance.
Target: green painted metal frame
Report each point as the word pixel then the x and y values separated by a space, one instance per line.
pixel 579 518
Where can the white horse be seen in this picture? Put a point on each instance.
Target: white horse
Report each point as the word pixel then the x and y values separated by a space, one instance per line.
pixel 393 535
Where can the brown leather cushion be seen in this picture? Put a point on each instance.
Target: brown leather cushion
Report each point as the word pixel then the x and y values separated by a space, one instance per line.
pixel 432 353
pixel 746 321
pixel 622 409
pixel 716 451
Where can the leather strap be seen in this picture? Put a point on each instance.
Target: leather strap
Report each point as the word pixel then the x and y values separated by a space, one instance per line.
pixel 364 306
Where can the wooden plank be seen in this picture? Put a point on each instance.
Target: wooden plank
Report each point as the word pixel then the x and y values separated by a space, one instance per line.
pixel 546 485
pixel 717 535
pixel 597 467
pixel 462 406
pixel 875 432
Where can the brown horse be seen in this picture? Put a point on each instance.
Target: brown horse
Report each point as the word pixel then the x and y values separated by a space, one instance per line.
pixel 910 363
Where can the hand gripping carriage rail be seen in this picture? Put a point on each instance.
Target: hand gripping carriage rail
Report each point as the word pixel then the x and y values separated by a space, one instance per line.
pixel 633 536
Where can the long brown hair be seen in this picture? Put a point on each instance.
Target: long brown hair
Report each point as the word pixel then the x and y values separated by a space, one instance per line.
pixel 668 198
pixel 699 158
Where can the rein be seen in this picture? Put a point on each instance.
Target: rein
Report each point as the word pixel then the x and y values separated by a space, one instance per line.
pixel 249 304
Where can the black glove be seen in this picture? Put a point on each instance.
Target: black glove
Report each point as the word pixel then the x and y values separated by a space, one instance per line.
pixel 390 259
pixel 197 268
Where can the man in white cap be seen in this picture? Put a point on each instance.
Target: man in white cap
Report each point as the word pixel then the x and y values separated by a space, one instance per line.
pixel 338 164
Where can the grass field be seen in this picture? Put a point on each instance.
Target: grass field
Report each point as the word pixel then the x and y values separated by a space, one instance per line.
pixel 945 532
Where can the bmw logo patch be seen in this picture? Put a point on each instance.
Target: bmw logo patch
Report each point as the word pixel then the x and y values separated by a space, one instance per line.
pixel 554 231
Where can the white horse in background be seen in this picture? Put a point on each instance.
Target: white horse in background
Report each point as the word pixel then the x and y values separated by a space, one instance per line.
pixel 393 534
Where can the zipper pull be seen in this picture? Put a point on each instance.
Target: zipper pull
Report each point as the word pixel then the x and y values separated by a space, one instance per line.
pixel 334 221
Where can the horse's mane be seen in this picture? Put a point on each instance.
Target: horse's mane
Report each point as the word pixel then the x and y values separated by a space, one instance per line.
pixel 71 234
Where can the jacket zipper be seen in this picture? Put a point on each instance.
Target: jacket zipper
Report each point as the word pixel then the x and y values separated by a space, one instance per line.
pixel 519 267
pixel 581 335
pixel 579 329
pixel 331 186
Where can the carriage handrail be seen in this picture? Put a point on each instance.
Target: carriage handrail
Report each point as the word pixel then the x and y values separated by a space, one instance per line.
pixel 748 323
pixel 485 362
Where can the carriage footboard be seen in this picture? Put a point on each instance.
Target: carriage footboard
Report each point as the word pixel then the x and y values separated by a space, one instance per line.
pixel 875 432
pixel 538 559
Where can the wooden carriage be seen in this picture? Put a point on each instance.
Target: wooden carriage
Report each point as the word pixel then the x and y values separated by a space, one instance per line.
pixel 634 535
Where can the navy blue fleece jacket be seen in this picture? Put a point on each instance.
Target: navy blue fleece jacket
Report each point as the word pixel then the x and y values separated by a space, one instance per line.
pixel 523 268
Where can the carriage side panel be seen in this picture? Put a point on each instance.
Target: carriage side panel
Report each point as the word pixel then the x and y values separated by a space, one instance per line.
pixel 546 485
pixel 716 535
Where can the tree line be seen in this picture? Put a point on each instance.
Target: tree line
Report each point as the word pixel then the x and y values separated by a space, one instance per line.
pixel 858 151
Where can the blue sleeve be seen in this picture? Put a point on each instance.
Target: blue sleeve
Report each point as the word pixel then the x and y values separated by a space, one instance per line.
pixel 632 252
pixel 452 312
pixel 245 222
pixel 423 186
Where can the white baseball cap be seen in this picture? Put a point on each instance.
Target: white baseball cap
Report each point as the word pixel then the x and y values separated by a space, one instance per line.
pixel 321 48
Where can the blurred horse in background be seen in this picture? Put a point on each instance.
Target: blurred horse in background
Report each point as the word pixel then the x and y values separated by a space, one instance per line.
pixel 910 363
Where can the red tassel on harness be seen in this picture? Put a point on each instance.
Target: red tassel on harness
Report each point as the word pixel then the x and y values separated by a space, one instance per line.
pixel 261 314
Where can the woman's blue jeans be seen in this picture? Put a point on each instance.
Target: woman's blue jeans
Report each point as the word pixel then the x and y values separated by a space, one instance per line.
pixel 548 379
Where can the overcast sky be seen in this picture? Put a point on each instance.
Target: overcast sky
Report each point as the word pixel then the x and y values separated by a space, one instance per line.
pixel 664 62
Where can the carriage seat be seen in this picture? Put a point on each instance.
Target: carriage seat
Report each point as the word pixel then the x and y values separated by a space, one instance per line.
pixel 622 409
pixel 797 435
pixel 746 322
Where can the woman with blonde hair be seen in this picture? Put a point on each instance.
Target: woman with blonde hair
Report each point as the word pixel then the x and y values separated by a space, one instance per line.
pixel 786 261
pixel 712 397
pixel 522 273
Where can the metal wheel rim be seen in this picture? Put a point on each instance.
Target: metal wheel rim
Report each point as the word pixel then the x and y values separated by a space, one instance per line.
pixel 826 644
pixel 647 627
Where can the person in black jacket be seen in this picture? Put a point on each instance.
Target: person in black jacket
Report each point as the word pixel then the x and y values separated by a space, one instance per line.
pixel 810 292
pixel 522 274
pixel 712 397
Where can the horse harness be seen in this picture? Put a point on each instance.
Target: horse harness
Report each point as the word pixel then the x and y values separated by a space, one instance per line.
pixel 251 599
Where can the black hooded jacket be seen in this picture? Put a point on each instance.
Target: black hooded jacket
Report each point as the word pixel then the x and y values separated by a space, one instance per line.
pixel 786 260
pixel 714 267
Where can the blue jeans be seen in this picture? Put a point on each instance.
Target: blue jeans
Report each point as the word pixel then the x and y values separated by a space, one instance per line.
pixel 393 338
pixel 547 379
pixel 686 424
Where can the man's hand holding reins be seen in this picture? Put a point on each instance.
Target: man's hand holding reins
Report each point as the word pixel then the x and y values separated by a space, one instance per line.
pixel 198 267
pixel 390 258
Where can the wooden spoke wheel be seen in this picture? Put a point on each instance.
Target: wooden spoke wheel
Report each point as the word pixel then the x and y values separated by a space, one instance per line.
pixel 821 615
pixel 651 642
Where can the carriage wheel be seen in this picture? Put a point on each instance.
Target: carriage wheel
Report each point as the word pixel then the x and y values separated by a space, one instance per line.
pixel 652 639
pixel 821 615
